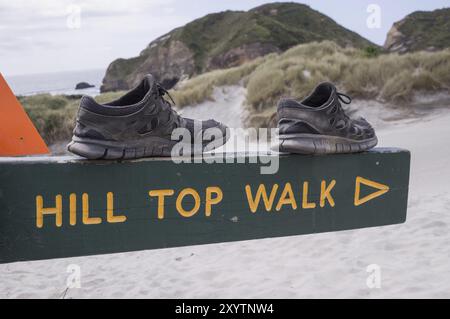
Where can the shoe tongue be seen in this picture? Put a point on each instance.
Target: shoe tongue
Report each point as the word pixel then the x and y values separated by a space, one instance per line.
pixel 324 94
pixel 332 92
pixel 148 82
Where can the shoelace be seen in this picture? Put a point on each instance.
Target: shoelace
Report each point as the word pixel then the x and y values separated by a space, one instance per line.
pixel 174 116
pixel 162 91
pixel 344 98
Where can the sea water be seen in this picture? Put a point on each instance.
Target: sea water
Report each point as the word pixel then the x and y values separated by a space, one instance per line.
pixel 56 83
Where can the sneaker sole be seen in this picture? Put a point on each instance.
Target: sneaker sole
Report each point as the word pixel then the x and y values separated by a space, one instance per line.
pixel 112 150
pixel 322 144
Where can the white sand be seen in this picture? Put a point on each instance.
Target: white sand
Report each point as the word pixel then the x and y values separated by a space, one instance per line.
pixel 414 257
pixel 226 107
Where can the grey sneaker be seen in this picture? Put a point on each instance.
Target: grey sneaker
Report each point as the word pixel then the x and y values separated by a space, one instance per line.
pixel 139 124
pixel 319 125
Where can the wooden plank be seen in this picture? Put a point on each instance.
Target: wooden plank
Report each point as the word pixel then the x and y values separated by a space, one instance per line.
pixel 63 207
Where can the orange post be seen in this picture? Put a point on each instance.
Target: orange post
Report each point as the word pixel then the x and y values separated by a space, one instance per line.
pixel 18 136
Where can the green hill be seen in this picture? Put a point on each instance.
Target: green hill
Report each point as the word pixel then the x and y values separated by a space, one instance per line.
pixel 421 30
pixel 391 78
pixel 228 39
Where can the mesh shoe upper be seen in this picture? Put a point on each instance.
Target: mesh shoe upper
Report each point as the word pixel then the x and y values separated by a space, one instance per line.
pixel 141 112
pixel 321 113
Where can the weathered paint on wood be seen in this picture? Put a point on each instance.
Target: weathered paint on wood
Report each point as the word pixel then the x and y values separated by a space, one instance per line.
pixel 53 208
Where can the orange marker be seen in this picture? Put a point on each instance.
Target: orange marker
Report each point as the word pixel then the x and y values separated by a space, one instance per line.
pixel 18 136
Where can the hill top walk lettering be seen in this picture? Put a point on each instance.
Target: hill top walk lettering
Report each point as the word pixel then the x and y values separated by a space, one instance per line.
pixel 258 198
pixel 66 207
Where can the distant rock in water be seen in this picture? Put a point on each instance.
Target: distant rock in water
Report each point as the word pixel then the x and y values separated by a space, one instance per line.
pixel 420 30
pixel 84 85
pixel 227 39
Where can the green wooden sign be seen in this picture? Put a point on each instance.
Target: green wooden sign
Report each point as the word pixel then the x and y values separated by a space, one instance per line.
pixel 64 207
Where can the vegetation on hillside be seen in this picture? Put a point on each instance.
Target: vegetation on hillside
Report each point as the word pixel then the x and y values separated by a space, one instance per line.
pixel 360 73
pixel 200 88
pixel 273 27
pixel 54 116
pixel 424 30
pixel 368 75
pixel 282 25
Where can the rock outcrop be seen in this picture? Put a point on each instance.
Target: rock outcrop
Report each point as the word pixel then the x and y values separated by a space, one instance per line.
pixel 421 30
pixel 227 39
pixel 83 85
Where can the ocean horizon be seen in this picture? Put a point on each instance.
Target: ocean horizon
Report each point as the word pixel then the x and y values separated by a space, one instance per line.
pixel 56 83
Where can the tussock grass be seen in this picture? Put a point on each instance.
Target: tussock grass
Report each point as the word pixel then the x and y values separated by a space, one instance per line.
pixel 54 116
pixel 200 88
pixel 361 73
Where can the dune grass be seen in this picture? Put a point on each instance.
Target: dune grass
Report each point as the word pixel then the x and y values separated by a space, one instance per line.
pixel 54 116
pixel 387 77
pixel 364 74
pixel 200 88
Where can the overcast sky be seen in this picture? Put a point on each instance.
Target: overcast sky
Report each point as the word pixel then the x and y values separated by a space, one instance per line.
pixel 40 36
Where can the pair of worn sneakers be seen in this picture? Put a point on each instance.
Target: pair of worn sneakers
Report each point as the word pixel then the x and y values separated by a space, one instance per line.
pixel 142 124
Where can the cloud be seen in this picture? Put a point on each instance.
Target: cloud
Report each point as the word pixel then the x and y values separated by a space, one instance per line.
pixel 58 8
pixel 44 15
pixel 42 18
pixel 32 31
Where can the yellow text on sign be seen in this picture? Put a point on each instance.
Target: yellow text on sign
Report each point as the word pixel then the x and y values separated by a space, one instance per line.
pixel 214 196
pixel 87 219
pixel 280 196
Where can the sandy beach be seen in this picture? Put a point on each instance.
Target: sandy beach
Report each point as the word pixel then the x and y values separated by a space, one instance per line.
pixel 414 258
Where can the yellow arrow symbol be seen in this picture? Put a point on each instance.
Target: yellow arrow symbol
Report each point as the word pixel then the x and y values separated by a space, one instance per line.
pixel 382 189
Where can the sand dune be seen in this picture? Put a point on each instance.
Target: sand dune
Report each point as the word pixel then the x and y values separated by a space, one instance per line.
pixel 414 257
